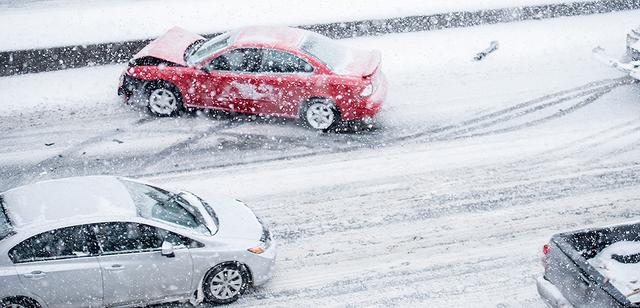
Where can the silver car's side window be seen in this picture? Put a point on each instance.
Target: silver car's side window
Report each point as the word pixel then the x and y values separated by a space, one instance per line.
pixel 65 243
pixel 120 237
pixel 125 237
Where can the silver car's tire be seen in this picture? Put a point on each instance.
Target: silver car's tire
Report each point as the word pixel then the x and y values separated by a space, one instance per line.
pixel 163 99
pixel 320 114
pixel 18 302
pixel 225 283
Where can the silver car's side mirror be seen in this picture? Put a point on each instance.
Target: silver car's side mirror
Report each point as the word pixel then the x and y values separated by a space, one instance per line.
pixel 167 250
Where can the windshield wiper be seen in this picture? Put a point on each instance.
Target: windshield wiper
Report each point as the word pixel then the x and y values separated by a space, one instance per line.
pixel 192 49
pixel 192 209
pixel 6 228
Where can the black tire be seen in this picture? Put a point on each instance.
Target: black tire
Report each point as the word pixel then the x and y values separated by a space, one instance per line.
pixel 319 114
pixel 163 99
pixel 19 302
pixel 214 288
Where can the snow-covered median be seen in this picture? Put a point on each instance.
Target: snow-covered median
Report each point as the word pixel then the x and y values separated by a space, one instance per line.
pixel 75 22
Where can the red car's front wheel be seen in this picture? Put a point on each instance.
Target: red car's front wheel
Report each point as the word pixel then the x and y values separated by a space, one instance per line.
pixel 163 99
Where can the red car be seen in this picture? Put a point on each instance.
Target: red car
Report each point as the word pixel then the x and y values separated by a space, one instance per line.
pixel 274 71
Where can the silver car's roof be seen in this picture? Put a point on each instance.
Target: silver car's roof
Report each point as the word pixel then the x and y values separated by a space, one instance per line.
pixel 78 197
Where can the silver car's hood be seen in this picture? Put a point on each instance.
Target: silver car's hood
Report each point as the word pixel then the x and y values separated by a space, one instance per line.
pixel 236 220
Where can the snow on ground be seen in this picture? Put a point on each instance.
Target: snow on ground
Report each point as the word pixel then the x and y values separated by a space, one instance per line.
pixel 38 24
pixel 447 203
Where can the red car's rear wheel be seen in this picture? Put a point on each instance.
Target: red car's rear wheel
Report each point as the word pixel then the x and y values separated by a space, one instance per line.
pixel 320 114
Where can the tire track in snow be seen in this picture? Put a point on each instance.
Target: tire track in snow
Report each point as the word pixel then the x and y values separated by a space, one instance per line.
pixel 517 111
pixel 590 99
pixel 160 157
pixel 592 91
pixel 426 207
pixel 60 159
pixel 600 138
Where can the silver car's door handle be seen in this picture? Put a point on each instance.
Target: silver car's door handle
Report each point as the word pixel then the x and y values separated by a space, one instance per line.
pixel 115 267
pixel 35 275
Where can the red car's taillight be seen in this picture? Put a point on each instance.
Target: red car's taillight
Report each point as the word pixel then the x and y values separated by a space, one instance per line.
pixel 545 249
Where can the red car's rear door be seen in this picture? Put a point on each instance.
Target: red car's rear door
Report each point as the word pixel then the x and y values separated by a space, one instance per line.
pixel 289 80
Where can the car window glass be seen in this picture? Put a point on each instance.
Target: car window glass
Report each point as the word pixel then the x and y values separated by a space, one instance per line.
pixel 71 242
pixel 331 53
pixel 120 236
pixel 134 237
pixel 208 48
pixel 237 60
pixel 158 204
pixel 276 61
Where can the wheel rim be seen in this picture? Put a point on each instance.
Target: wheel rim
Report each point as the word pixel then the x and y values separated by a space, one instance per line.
pixel 226 284
pixel 163 101
pixel 320 115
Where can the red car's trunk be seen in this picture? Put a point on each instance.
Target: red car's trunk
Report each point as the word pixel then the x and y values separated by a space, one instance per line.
pixel 363 63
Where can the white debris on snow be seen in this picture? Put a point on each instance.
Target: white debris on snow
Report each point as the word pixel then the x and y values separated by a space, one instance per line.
pixel 624 276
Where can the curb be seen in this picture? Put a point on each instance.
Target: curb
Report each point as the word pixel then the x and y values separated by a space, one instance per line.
pixel 59 58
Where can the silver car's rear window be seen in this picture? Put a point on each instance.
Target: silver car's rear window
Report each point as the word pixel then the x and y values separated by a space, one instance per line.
pixel 6 229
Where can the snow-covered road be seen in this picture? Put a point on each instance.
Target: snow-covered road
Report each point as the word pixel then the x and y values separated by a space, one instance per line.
pixel 446 203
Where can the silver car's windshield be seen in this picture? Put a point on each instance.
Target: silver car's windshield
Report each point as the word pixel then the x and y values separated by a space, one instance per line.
pixel 5 225
pixel 208 48
pixel 327 51
pixel 161 205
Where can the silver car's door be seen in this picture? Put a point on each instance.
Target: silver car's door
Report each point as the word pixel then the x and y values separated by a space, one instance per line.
pixel 60 267
pixel 134 269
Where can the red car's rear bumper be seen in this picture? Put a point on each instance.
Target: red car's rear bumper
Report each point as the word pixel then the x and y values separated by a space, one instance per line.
pixel 370 106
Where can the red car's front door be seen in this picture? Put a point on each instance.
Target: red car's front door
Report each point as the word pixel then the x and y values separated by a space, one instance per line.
pixel 231 82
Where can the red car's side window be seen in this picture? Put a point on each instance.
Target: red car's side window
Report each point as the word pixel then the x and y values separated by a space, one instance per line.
pixel 276 61
pixel 237 60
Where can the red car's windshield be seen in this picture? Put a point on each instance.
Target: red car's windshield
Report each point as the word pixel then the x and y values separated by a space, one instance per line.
pixel 208 48
pixel 327 51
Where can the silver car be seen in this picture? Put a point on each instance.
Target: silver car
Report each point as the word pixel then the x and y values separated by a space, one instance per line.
pixel 111 241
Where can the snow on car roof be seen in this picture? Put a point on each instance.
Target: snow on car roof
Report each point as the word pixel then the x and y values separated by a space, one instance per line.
pixel 270 35
pixel 78 197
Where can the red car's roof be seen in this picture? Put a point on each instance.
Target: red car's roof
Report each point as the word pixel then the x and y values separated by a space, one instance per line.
pixel 284 37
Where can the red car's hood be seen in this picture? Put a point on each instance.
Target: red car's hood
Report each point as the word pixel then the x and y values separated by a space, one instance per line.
pixel 362 63
pixel 170 46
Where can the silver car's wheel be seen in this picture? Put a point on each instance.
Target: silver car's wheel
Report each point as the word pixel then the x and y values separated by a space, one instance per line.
pixel 320 115
pixel 163 102
pixel 18 302
pixel 225 284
